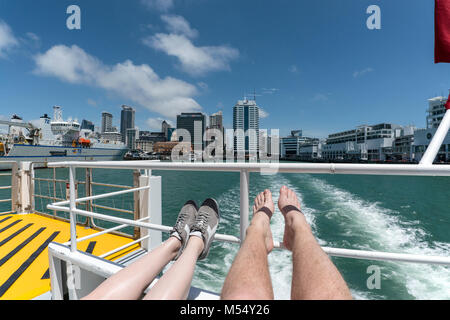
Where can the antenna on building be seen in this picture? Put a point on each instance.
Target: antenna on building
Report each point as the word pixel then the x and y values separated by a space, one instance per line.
pixel 254 94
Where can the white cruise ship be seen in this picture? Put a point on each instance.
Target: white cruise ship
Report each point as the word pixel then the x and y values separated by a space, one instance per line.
pixel 54 140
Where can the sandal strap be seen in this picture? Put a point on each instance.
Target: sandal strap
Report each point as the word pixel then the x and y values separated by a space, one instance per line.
pixel 266 211
pixel 289 208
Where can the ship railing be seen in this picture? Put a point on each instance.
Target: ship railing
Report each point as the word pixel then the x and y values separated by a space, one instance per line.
pixel 12 196
pixel 244 169
pixel 57 188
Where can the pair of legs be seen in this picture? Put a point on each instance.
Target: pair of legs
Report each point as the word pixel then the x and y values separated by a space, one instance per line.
pixel 130 282
pixel 314 275
pixel 190 241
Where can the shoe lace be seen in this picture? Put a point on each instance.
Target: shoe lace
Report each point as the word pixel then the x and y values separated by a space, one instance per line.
pixel 201 221
pixel 181 221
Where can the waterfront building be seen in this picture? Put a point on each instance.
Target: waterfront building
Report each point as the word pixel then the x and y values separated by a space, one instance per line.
pixel 144 145
pixel 245 120
pixel 107 122
pixel 362 143
pixel 111 136
pixel 165 148
pixel 422 137
pixel 126 120
pixel 195 124
pixel 87 125
pixel 291 146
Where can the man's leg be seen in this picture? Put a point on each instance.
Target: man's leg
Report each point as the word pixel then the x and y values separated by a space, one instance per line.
pixel 176 282
pixel 249 278
pixel 130 282
pixel 314 274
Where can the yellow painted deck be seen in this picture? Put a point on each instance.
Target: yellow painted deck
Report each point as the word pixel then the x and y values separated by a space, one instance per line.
pixel 24 255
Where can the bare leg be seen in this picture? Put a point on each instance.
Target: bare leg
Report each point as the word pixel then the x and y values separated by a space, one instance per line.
pixel 176 282
pixel 130 282
pixel 314 275
pixel 249 278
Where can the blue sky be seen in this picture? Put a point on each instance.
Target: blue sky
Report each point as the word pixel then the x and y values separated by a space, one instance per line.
pixel 313 64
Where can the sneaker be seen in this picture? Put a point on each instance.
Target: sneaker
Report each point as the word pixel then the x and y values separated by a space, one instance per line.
pixel 186 218
pixel 205 225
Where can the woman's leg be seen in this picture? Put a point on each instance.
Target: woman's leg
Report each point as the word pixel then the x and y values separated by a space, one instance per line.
pixel 176 282
pixel 130 282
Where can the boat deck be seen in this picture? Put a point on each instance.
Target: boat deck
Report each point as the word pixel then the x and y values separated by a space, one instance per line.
pixel 24 238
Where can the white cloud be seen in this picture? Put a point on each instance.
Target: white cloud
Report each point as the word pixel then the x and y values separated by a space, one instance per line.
pixel 263 114
pixel 154 124
pixel 193 60
pixel 7 39
pixel 137 83
pixel 179 25
pixel 161 5
pixel 360 73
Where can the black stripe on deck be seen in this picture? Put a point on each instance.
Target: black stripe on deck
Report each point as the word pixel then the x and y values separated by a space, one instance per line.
pixel 20 246
pixel 5 219
pixel 10 225
pixel 89 249
pixel 16 275
pixel 15 234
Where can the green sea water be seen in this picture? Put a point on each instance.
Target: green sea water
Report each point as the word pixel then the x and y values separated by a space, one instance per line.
pixel 383 213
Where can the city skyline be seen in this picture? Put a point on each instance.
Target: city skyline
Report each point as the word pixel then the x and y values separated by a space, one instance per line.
pixel 303 73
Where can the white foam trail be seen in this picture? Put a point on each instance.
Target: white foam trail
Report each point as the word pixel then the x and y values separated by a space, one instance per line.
pixel 384 230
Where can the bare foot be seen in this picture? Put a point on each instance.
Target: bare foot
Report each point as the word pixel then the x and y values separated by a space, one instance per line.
pixel 288 197
pixel 261 218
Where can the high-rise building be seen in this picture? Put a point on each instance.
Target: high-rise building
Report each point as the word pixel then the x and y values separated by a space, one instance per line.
pixel 126 121
pixel 106 122
pixel 165 129
pixel 246 120
pixel 85 124
pixel 194 123
pixel 216 121
pixel 131 138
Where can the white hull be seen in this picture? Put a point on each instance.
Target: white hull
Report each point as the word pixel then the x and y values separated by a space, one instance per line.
pixel 45 154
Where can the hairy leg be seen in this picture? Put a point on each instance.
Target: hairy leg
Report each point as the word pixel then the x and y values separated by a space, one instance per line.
pixel 249 278
pixel 130 282
pixel 176 282
pixel 314 274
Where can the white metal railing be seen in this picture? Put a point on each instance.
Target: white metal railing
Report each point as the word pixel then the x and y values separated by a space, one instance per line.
pixel 12 186
pixel 244 169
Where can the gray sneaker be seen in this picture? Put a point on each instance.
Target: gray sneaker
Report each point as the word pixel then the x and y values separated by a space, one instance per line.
pixel 186 219
pixel 206 224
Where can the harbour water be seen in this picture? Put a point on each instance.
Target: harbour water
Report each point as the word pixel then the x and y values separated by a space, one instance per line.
pixel 383 213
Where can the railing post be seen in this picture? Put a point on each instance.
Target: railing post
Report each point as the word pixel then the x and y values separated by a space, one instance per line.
pixel 150 203
pixel 14 187
pixel 436 143
pixel 244 187
pixel 72 206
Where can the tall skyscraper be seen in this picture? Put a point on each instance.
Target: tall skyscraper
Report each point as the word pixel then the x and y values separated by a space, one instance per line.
pixel 194 123
pixel 106 122
pixel 126 121
pixel 246 120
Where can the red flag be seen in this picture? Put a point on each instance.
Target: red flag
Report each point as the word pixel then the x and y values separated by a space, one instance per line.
pixel 442 31
pixel 447 105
